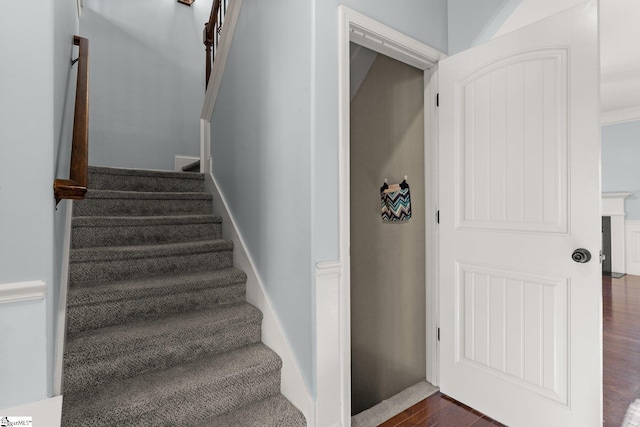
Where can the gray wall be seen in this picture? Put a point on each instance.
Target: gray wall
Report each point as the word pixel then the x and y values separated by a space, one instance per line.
pixel 147 80
pixel 33 43
pixel 275 141
pixel 620 163
pixel 387 259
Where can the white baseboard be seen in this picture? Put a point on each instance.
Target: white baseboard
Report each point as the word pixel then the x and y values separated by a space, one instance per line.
pixel 182 161
pixel 61 325
pixel 44 413
pixel 632 238
pixel 293 386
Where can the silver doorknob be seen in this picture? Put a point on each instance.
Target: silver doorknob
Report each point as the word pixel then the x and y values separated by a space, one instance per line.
pixel 581 255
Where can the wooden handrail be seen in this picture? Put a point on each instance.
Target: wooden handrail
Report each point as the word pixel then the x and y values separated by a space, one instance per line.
pixel 76 186
pixel 210 33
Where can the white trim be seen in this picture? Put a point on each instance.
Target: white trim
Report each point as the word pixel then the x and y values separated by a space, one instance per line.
pixel 620 116
pixel 181 161
pixel 215 80
pixel 329 344
pixel 22 291
pixel 293 386
pixel 632 237
pixel 61 324
pixel 44 413
pixel 357 28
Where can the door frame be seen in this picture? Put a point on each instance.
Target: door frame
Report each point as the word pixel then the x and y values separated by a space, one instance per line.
pixel 360 29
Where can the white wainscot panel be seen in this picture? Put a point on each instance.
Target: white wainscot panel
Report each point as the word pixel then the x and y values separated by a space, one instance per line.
pixel 514 325
pixel 512 145
pixel 633 247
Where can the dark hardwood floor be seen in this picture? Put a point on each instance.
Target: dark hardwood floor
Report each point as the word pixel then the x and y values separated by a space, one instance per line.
pixel 439 410
pixel 621 343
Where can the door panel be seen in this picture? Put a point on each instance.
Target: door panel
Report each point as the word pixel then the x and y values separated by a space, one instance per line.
pixel 519 191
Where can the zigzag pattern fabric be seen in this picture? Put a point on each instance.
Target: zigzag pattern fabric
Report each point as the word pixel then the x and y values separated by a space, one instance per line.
pixel 395 202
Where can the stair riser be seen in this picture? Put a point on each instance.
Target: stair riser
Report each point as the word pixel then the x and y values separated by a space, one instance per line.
pixel 103 366
pixel 100 181
pixel 184 408
pixel 92 316
pixel 85 237
pixel 97 272
pixel 137 207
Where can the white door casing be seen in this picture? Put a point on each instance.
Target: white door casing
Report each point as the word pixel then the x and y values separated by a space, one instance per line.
pixel 519 191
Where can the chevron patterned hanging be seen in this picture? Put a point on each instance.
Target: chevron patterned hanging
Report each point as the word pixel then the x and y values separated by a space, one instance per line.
pixel 395 202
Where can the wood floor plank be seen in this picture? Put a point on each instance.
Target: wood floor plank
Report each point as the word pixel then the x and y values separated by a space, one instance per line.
pixel 621 373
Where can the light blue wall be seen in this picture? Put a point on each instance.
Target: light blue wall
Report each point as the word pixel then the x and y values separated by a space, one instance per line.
pixel 621 163
pixel 261 154
pixel 472 22
pixel 275 141
pixel 30 109
pixel 147 80
pixel 65 25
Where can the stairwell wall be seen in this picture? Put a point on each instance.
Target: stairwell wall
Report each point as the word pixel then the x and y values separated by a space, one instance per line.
pixel 260 132
pixel 147 80
pixel 274 142
pixel 36 42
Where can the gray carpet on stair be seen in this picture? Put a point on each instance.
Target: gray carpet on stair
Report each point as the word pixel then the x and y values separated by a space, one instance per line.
pixel 158 329
pixel 90 231
pixel 391 407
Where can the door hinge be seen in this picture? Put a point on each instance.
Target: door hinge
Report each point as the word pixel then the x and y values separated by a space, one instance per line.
pixel 437 217
pixel 437 99
pixel 438 334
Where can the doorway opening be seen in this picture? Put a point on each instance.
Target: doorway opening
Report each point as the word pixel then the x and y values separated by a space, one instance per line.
pixel 393 46
pixel 388 275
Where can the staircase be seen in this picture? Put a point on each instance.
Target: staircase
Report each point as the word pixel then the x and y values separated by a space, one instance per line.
pixel 158 329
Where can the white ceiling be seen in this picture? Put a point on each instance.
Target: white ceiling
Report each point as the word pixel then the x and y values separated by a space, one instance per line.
pixel 619 44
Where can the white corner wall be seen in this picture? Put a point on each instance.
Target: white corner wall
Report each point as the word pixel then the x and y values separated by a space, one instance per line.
pixel 147 80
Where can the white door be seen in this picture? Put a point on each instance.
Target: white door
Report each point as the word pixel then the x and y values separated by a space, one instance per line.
pixel 519 192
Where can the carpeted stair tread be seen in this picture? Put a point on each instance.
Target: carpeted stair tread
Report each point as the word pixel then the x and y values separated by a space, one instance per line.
pixel 143 203
pixel 132 221
pixel 91 231
pixel 111 253
pixel 274 411
pixel 103 178
pixel 116 263
pixel 146 195
pixel 88 293
pixel 97 356
pixel 130 301
pixel 187 394
pixel 153 173
pixel 158 330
